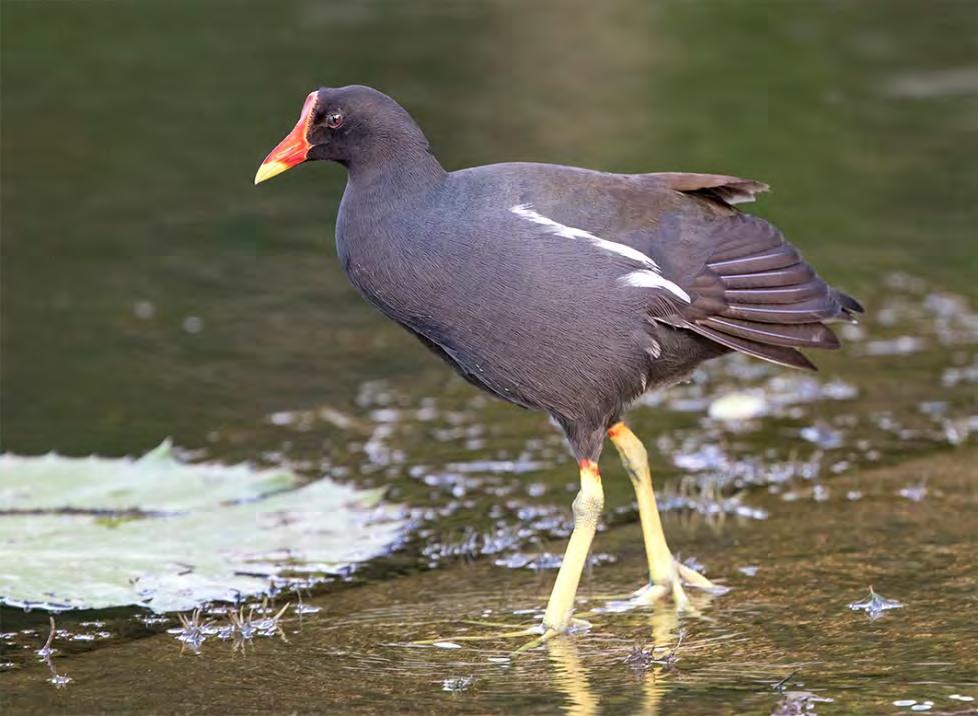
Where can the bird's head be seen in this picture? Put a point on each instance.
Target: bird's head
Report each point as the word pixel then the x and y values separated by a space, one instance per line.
pixel 349 125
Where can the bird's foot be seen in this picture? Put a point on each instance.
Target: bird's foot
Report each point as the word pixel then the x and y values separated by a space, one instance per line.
pixel 540 634
pixel 672 582
pixel 573 626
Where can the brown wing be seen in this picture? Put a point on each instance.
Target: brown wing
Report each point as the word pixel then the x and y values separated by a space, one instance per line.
pixel 757 295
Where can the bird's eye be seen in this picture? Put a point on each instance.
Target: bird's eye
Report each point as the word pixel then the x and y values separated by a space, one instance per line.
pixel 334 120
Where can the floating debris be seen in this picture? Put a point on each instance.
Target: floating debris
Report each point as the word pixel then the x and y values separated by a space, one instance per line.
pixel 822 435
pixel 875 605
pixel 959 697
pixel 240 627
pixel 304 420
pixel 643 658
pixel 192 632
pixel 706 457
pixel 47 650
pixel 458 684
pixel 547 560
pixel 640 659
pixel 446 645
pixel 508 467
pixel 955 376
pixel 243 627
pixel 59 681
pixel 914 493
pixel 795 703
pixel 735 407
pixel 750 570
pixel 302 608
pixel 914 704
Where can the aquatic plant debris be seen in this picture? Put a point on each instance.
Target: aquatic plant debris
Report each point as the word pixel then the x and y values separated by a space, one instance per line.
pixel 642 658
pixel 59 681
pixel 458 684
pixel 240 627
pixel 875 604
pixel 93 533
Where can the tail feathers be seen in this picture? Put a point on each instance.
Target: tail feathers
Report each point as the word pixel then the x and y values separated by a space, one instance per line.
pixel 799 335
pixel 757 295
pixel 815 309
pixel 848 303
pixel 773 353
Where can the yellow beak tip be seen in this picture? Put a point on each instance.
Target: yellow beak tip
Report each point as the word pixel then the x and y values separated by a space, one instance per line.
pixel 268 170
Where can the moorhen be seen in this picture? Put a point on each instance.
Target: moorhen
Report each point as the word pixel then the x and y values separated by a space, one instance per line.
pixel 562 289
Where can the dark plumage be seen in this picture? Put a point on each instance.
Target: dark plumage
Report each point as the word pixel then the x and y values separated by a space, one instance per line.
pixel 562 289
pixel 508 271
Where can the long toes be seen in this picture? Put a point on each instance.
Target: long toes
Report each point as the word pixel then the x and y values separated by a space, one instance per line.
pixel 548 634
pixel 650 594
pixel 693 578
pixel 679 596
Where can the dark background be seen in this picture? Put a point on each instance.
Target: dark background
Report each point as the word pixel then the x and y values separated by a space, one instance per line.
pixel 132 130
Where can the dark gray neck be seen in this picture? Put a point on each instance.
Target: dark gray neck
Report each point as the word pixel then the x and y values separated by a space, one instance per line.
pixel 378 188
pixel 400 164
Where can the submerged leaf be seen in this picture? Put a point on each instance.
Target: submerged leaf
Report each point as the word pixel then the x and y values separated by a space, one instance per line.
pixel 215 550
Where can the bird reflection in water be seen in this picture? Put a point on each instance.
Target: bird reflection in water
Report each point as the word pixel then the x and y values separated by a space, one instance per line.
pixel 652 663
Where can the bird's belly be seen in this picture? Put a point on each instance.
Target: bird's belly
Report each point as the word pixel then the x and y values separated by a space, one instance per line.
pixel 536 335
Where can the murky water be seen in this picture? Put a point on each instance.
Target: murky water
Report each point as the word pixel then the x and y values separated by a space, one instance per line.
pixel 783 637
pixel 149 290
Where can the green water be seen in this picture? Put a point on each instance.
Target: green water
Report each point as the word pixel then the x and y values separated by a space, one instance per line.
pixel 148 289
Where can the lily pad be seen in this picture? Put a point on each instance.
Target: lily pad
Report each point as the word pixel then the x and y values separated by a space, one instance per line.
pixel 156 482
pixel 167 535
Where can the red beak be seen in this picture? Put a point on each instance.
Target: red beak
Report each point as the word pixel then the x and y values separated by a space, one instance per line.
pixel 293 149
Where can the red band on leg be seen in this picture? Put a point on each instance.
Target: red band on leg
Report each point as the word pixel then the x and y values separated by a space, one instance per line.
pixel 615 430
pixel 589 466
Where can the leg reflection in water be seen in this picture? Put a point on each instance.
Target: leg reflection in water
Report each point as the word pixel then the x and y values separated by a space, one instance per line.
pixel 573 657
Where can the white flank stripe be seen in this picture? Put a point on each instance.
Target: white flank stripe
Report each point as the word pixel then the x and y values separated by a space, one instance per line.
pixel 648 277
pixel 526 211
pixel 652 279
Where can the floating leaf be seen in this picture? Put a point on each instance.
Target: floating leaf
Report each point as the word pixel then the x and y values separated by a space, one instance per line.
pixel 156 482
pixel 231 538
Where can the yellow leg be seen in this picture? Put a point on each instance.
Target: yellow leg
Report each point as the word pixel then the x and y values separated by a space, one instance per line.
pixel 587 511
pixel 666 574
pixel 560 607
